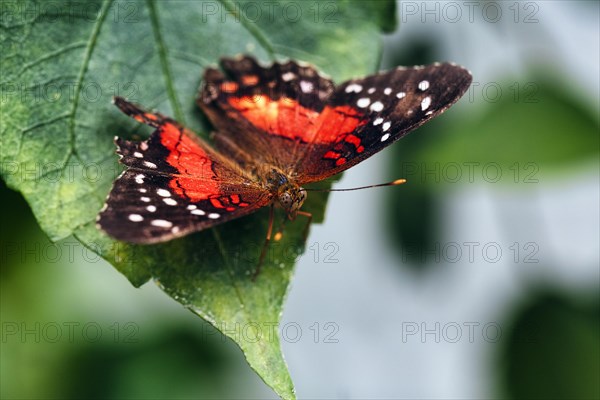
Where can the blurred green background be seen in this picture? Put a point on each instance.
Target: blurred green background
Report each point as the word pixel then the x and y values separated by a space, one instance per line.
pixel 510 173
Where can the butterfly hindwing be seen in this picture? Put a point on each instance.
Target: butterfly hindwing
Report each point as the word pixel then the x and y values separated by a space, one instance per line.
pixel 174 184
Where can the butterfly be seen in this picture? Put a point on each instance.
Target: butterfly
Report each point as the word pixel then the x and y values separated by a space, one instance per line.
pixel 277 128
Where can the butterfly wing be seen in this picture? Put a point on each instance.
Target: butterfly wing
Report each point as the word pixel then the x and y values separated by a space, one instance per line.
pixel 263 114
pixel 363 116
pixel 174 184
pixel 290 116
pixel 286 115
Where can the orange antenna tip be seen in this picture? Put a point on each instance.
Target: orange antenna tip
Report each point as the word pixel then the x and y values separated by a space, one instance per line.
pixel 393 183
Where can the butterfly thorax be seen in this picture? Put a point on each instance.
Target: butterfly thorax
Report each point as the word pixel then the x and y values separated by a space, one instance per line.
pixel 288 193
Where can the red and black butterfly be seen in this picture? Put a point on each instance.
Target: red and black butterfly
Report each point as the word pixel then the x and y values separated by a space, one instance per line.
pixel 277 129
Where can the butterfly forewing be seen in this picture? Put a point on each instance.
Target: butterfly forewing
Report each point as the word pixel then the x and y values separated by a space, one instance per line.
pixel 384 108
pixel 175 184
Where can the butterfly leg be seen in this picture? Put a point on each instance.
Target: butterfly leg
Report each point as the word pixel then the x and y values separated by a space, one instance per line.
pixel 265 247
pixel 279 234
pixel 309 218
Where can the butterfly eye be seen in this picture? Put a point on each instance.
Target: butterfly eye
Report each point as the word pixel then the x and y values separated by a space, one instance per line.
pixel 302 195
pixel 286 200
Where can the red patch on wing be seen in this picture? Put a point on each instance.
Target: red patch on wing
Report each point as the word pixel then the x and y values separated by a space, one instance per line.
pixel 353 139
pixel 335 122
pixel 145 118
pixel 216 203
pixel 227 202
pixel 190 160
pixel 266 114
pixel 286 117
pixel 229 87
pixel 250 80
pixel 340 161
pixel 332 155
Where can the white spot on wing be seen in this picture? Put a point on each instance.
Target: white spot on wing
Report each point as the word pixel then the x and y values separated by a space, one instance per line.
pixel 423 85
pixel 191 207
pixel 354 87
pixel 377 121
pixel 377 106
pixel 163 193
pixel 363 102
pixel 161 223
pixel 400 95
pixel 306 86
pixel 386 126
pixel 387 91
pixel 385 137
pixel 149 164
pixel 213 215
pixel 145 199
pixel 371 90
pixel 288 76
pixel 151 208
pixel 142 190
pixel 135 217
pixel 140 178
pixel 137 154
pixel 198 212
pixel 144 146
pixel 425 103
pixel 169 201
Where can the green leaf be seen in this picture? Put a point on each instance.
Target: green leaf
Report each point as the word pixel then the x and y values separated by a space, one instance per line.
pixel 62 63
pixel 551 349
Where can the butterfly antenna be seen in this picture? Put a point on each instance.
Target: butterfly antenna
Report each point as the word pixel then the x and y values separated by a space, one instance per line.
pixel 392 183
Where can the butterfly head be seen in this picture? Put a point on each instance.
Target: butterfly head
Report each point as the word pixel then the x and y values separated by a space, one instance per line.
pixel 291 197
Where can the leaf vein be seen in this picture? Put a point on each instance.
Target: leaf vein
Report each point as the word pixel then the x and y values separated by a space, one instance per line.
pixel 91 44
pixel 164 62
pixel 171 93
pixel 46 122
pixel 249 26
pixel 48 56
